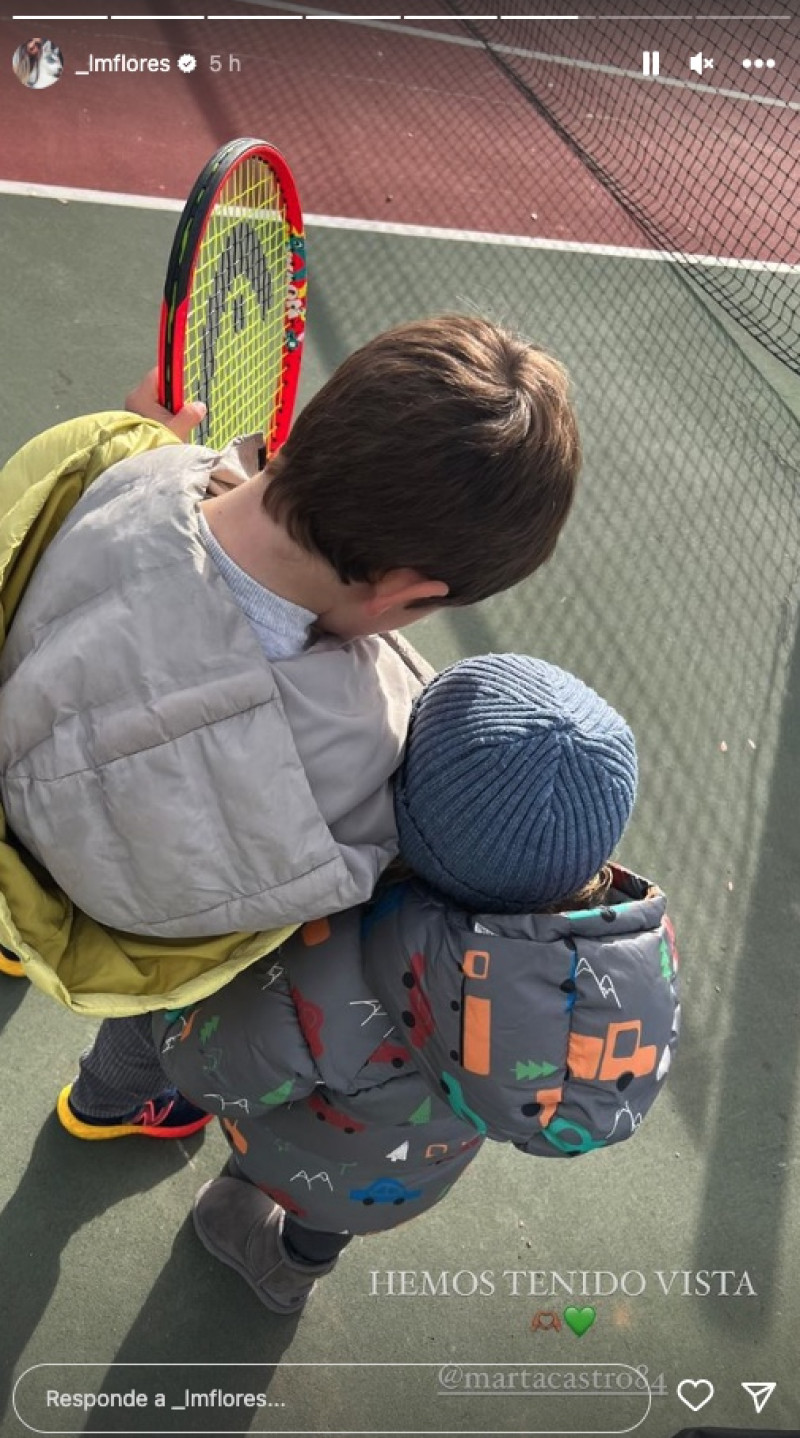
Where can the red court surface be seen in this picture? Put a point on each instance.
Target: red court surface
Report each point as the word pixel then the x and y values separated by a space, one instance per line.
pixel 413 129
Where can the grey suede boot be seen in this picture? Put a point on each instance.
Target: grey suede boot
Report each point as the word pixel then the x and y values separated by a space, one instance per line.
pixel 241 1226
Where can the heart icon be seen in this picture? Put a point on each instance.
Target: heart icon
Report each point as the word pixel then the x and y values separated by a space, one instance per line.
pixel 697 1387
pixel 580 1320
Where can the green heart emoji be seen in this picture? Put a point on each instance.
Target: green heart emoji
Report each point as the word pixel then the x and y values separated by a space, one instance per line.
pixel 580 1320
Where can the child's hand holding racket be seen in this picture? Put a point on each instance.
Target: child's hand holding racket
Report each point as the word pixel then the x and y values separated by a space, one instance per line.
pixel 143 400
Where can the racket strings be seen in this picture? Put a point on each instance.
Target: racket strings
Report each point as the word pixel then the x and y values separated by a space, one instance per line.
pixel 237 313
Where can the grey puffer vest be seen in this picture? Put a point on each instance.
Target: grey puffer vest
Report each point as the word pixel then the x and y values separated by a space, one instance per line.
pixel 172 780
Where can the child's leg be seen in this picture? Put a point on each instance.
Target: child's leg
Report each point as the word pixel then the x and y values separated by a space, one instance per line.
pixel 120 1071
pixel 279 1258
pixel 122 1089
pixel 305 1245
pixel 311 1245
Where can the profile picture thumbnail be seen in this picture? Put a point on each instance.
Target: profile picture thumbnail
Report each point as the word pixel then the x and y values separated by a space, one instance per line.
pixel 38 63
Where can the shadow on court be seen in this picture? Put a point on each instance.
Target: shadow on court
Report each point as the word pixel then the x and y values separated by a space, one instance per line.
pixel 64 1188
pixel 749 1180
pixel 218 1332
pixel 12 994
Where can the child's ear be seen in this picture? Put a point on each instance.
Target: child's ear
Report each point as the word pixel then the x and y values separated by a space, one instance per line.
pixel 400 588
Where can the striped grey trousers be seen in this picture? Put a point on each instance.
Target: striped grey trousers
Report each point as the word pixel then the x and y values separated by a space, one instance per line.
pixel 120 1071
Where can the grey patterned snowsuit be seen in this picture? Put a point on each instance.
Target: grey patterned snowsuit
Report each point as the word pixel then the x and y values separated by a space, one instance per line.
pixel 358 1069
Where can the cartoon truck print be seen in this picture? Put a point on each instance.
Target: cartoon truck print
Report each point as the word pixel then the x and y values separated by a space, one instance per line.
pixel 286 1201
pixel 310 1018
pixel 324 1109
pixel 418 1017
pixel 385 1190
pixel 388 1053
pixel 459 1105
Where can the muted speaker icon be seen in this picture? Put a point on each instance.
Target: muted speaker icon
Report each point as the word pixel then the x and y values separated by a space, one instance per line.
pixel 700 62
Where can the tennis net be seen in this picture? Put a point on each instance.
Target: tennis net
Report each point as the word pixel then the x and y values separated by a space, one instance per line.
pixel 701 156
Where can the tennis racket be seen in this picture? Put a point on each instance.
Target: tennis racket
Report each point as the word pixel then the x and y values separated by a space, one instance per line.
pixel 233 315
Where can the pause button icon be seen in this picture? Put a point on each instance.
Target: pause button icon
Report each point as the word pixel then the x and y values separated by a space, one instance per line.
pixel 651 62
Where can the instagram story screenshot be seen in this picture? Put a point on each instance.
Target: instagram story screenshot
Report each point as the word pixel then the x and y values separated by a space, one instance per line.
pixel 400 718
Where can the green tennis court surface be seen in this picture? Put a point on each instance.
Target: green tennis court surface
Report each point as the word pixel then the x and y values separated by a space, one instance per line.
pixel 674 591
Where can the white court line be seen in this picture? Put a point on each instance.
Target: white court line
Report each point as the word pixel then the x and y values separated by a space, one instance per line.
pixel 542 55
pixel 360 19
pixel 66 193
pixel 536 242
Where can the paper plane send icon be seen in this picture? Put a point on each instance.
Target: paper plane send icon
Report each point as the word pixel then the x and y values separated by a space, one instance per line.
pixel 760 1394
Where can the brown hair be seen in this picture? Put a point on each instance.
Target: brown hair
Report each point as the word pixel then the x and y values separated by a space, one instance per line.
pixel 448 446
pixel 593 895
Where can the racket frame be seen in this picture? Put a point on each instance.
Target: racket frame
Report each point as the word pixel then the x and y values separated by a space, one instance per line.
pixel 183 258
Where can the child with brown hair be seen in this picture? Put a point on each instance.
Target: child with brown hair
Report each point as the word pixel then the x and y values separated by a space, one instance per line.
pixel 198 716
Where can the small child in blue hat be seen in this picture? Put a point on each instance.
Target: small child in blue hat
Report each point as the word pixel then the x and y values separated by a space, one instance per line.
pixel 514 985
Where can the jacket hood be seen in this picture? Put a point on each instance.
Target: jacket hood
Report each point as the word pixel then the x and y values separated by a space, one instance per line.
pixel 553 1031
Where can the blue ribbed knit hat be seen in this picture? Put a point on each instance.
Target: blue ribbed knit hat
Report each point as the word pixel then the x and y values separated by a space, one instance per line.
pixel 517 783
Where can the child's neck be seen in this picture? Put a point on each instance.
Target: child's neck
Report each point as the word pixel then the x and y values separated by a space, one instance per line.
pixel 263 549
